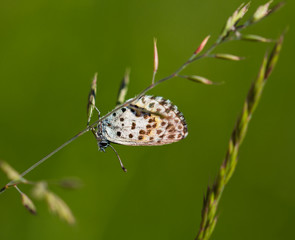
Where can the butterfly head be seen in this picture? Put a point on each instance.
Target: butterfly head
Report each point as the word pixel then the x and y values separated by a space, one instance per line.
pixel 103 144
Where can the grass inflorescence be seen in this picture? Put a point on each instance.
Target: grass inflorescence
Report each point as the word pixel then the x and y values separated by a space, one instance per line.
pixel 214 192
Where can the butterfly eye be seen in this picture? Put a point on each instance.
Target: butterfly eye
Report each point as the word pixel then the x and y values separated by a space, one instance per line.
pixel 103 144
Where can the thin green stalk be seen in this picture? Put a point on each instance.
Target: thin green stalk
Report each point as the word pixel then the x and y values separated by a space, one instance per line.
pixel 228 166
pixel 21 180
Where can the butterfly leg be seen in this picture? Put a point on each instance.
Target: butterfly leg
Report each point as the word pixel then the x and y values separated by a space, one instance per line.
pixel 98 126
pixel 98 112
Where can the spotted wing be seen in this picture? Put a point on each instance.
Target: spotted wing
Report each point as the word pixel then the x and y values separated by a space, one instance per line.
pixel 148 121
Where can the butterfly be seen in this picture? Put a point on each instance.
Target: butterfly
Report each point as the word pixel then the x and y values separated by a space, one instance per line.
pixel 147 121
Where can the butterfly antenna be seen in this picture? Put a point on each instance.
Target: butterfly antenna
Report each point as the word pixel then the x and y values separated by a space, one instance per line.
pixel 122 166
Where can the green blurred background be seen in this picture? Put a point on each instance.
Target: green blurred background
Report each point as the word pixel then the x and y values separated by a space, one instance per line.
pixel 49 52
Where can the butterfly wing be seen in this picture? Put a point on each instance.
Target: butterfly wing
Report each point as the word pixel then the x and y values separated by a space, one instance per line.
pixel 147 121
